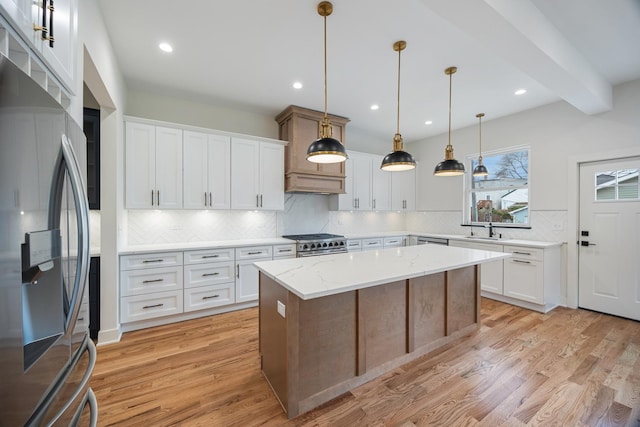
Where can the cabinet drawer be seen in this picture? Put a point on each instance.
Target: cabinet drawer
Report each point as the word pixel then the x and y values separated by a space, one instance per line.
pixel 475 245
pixel 208 274
pixel 354 245
pixel 525 252
pixel 284 251
pixel 139 282
pixel 371 243
pixel 209 255
pixel 390 242
pixel 142 307
pixel 209 296
pixel 162 259
pixel 252 252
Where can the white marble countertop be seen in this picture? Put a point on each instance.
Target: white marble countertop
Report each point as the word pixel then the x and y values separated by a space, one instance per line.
pixel 314 277
pixel 461 237
pixel 186 246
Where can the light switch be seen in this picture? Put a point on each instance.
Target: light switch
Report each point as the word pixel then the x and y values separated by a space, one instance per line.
pixel 282 309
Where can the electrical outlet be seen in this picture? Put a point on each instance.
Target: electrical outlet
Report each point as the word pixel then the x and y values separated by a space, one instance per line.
pixel 558 227
pixel 281 309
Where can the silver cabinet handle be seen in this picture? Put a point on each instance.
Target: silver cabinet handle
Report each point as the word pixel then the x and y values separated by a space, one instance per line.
pixel 158 197
pixel 374 203
pixel 261 200
pixel 210 199
pixel 254 253
pixel 257 200
pixel 205 198
pixel 146 261
pixel 237 271
pixel 211 296
pixel 209 274
pixel 210 256
pixel 522 253
pixel 152 306
pixel 152 203
pixel 284 250
pixel 153 281
pixel 521 262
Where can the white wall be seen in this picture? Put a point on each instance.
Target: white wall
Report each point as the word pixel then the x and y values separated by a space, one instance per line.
pixel 98 67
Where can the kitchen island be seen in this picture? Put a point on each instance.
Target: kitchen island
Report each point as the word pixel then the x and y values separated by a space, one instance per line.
pixel 331 323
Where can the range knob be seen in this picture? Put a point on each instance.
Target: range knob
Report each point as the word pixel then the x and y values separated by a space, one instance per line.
pixel 324 245
pixel 305 246
pixel 330 244
pixel 341 243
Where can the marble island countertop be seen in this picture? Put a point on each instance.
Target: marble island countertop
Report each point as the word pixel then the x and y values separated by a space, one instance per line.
pixel 314 277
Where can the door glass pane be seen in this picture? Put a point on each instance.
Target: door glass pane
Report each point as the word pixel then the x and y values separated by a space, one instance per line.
pixel 617 185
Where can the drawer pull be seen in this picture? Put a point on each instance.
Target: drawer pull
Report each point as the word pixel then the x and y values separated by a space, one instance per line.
pixel 210 256
pixel 522 253
pixel 372 243
pixel 80 319
pixel 254 253
pixel 152 306
pixel 209 274
pixel 522 262
pixel 153 281
pixel 284 250
pixel 211 296
pixel 146 261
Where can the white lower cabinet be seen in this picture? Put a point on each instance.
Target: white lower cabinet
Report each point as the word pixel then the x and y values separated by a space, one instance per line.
pixel 208 279
pixel 372 244
pixel 491 279
pixel 393 242
pixel 354 245
pixel 530 278
pixel 210 296
pixel 247 275
pixel 150 286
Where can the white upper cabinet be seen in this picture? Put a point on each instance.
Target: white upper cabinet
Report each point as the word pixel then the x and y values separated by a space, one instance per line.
pixel 403 190
pixel 58 49
pixel 357 184
pixel 380 186
pixel 207 172
pixel 153 167
pixel 257 175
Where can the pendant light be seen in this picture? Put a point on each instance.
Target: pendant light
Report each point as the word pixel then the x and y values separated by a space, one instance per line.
pixel 450 166
pixel 480 170
pixel 398 160
pixel 326 149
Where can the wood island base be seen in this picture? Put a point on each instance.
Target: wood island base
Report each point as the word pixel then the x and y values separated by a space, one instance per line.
pixel 317 349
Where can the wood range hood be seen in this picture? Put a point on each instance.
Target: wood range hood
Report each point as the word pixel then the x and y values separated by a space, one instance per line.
pixel 301 126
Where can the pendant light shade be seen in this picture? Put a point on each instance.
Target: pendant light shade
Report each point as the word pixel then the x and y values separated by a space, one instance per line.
pixel 326 149
pixel 480 170
pixel 450 166
pixel 398 160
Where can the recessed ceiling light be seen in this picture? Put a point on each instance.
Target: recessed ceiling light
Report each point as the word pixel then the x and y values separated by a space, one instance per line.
pixel 428 122
pixel 521 91
pixel 375 107
pixel 165 47
pixel 297 85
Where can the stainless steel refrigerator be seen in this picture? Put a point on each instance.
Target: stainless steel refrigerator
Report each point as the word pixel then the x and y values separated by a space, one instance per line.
pixel 46 356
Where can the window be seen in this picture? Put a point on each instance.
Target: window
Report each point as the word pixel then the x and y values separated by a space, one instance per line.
pixel 617 185
pixel 503 195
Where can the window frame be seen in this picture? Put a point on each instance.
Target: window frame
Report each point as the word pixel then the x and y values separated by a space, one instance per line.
pixel 468 190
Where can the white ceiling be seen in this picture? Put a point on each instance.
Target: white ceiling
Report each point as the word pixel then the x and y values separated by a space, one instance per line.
pixel 248 53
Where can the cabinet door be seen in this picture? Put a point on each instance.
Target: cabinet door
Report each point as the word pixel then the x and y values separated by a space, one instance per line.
pixel 491 273
pixel 403 189
pixel 62 56
pixel 219 178
pixel 20 14
pixel 523 279
pixel 362 182
pixel 140 166
pixel 245 174
pixel 347 201
pixel 195 189
pixel 247 279
pixel 380 186
pixel 271 176
pixel 168 168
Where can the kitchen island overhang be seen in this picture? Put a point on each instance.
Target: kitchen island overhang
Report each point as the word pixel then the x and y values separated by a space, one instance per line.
pixel 329 324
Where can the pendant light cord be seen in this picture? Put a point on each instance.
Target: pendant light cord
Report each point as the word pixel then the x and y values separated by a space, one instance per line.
pixel 480 134
pixel 450 78
pixel 398 110
pixel 325 67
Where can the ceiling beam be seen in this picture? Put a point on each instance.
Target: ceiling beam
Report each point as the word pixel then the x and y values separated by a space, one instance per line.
pixel 520 34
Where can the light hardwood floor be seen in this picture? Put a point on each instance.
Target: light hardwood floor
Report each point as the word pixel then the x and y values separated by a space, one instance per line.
pixel 565 368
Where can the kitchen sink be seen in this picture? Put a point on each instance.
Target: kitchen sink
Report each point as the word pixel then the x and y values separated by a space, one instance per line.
pixel 482 238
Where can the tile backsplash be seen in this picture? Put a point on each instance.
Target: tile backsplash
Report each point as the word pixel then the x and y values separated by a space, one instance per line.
pixel 307 213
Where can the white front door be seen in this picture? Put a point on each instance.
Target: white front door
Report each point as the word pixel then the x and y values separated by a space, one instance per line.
pixel 609 238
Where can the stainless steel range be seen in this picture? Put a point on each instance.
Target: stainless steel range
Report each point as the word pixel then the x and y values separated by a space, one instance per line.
pixel 318 244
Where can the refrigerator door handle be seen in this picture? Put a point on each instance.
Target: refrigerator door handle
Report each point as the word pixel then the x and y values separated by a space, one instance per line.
pixel 67 161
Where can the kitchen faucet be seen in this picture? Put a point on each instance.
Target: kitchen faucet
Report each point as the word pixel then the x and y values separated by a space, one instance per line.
pixel 490 229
